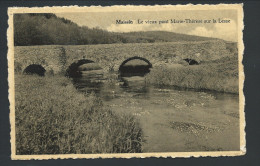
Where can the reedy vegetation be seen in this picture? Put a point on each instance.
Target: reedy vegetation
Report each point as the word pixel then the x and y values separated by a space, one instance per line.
pixel 52 117
pixel 219 75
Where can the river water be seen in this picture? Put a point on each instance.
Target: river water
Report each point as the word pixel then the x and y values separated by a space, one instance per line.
pixel 172 119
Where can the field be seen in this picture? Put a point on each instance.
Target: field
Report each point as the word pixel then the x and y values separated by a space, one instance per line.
pixel 52 117
pixel 218 75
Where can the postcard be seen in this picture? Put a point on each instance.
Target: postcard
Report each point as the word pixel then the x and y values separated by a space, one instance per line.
pixel 126 81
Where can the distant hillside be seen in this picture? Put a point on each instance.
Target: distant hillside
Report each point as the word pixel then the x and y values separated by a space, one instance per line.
pixel 48 29
pixel 164 36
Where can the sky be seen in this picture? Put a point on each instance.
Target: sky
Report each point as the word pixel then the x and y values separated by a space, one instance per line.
pixel 107 21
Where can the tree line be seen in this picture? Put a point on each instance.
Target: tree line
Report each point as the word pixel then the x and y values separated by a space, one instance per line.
pixel 48 29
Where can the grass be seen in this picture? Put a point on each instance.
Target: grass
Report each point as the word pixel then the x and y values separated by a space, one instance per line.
pixel 219 75
pixel 52 117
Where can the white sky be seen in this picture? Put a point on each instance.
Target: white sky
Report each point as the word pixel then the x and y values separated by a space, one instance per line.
pixel 107 21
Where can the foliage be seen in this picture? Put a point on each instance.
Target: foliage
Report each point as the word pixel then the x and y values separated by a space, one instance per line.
pixel 52 117
pixel 161 36
pixel 48 29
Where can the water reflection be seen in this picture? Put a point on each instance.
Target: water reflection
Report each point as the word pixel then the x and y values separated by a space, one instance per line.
pixel 110 86
pixel 137 70
pixel 158 108
pixel 98 82
pixel 135 85
pixel 90 81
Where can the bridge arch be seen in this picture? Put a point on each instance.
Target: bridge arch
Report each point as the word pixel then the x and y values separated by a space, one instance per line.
pixel 136 70
pixel 35 69
pixel 73 69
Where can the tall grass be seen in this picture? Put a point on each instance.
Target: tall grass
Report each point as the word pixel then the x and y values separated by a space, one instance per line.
pixel 219 75
pixel 52 117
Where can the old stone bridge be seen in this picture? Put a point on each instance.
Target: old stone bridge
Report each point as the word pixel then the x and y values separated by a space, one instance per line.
pixel 59 59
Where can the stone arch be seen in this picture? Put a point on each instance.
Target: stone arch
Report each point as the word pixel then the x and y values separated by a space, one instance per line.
pixel 35 69
pixel 142 69
pixel 73 71
pixel 191 61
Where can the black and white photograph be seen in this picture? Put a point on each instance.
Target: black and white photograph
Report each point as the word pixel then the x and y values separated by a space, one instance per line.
pixel 126 81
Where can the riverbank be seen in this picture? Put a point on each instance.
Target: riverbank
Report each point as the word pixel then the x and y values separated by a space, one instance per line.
pixel 52 117
pixel 218 75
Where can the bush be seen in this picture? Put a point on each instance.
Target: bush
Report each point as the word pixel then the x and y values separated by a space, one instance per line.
pixel 52 117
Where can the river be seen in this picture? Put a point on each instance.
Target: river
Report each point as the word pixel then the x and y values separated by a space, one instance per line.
pixel 172 120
